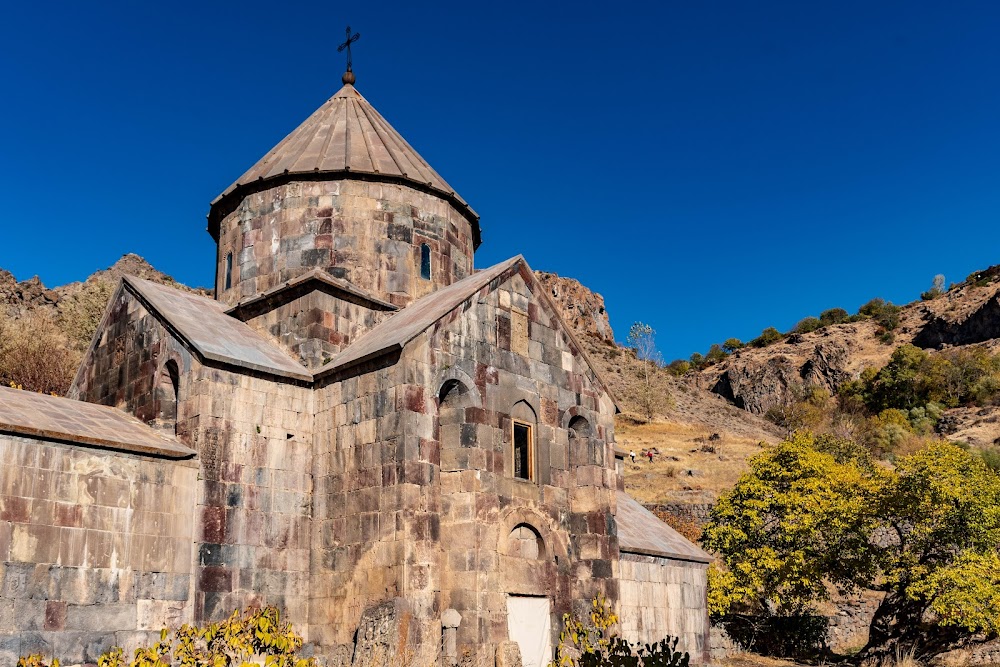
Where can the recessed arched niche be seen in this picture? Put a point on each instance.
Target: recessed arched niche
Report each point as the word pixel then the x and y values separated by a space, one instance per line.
pixel 525 542
pixel 453 398
pixel 165 395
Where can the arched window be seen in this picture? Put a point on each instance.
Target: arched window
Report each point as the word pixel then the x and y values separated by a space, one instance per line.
pixel 167 386
pixel 229 271
pixel 522 440
pixel 425 261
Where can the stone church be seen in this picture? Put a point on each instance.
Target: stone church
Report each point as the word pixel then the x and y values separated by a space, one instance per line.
pixel 395 448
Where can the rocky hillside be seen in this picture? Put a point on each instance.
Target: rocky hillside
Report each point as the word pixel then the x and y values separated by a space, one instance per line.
pixel 757 379
pixel 43 331
pixel 19 298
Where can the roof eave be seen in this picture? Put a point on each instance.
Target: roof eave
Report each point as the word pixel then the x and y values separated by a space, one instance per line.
pixel 227 202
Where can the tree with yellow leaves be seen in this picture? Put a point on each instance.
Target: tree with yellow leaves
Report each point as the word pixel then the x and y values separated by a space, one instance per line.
pixel 817 511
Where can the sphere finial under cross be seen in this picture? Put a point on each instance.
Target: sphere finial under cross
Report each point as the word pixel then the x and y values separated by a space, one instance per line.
pixel 348 77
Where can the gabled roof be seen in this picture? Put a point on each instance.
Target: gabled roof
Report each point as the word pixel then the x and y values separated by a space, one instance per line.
pixel 398 330
pixel 344 136
pixel 315 278
pixel 641 532
pixel 203 324
pixel 26 413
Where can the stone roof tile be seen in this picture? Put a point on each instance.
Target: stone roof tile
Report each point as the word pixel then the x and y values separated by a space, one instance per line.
pixel 204 325
pixel 346 136
pixel 34 415
pixel 641 532
pixel 410 322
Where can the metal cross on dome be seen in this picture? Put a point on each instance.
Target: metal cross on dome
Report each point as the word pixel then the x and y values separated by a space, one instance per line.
pixel 347 45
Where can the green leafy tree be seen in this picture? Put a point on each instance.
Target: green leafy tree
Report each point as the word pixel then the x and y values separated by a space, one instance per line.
pixel 817 511
pixel 733 344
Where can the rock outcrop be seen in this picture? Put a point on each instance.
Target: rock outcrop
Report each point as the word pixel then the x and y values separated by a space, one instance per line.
pixel 580 308
pixel 981 326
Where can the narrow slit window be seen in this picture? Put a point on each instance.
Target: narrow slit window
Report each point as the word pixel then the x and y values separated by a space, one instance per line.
pixel 523 454
pixel 425 261
pixel 229 271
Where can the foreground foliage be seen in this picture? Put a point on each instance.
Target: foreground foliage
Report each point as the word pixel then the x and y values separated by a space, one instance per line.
pixel 237 641
pixel 818 511
pixel 594 642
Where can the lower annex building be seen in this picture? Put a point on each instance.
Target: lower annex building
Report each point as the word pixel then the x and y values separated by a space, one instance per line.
pixel 396 449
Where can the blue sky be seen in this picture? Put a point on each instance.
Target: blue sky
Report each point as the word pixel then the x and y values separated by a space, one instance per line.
pixel 711 168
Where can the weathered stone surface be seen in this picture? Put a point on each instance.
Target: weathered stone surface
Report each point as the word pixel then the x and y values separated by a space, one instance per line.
pixel 580 308
pixel 508 654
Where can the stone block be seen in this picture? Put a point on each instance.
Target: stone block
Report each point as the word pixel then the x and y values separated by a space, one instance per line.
pixel 508 654
pixel 101 618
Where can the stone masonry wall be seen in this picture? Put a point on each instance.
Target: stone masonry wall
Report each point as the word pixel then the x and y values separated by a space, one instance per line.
pixel 123 367
pixel 509 353
pixel 254 441
pixel 662 596
pixel 368 233
pixel 97 548
pixel 317 326
pixel 366 507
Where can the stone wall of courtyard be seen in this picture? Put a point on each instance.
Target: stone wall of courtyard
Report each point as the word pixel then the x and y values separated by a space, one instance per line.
pixel 97 548
pixel 661 597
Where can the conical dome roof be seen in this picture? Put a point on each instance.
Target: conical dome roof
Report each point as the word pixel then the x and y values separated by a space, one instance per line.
pixel 344 136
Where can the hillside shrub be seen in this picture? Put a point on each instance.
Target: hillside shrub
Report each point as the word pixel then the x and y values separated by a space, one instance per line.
pixel 768 336
pixel 913 378
pixel 936 290
pixel 807 324
pixel 594 641
pixel 833 316
pixel 679 367
pixel 883 312
pixel 715 354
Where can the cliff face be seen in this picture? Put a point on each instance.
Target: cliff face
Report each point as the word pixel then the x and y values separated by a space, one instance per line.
pixel 581 309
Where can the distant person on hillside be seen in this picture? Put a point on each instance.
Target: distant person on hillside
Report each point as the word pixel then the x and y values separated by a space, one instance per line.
pixel 650 455
pixel 632 455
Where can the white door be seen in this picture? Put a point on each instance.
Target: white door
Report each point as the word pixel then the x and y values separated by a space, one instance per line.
pixel 529 625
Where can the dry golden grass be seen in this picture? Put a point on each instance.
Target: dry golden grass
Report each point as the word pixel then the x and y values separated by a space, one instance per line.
pixel 685 469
